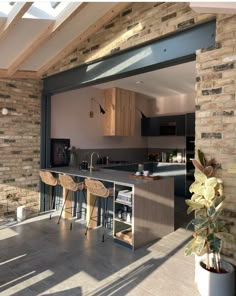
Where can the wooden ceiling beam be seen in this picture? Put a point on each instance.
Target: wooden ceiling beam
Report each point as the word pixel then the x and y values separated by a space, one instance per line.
pixel 214 7
pixel 18 10
pixel 19 74
pixel 78 40
pixel 63 18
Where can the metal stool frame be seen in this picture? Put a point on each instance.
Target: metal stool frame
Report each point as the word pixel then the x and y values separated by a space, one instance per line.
pixel 69 184
pixel 48 178
pixel 98 189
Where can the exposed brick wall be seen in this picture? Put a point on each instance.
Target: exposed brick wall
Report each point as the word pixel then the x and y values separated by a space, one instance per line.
pixel 19 144
pixel 216 112
pixel 138 23
pixel 215 75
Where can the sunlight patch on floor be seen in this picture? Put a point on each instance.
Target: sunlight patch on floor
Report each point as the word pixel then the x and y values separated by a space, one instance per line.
pixel 31 280
pixel 12 259
pixel 7 233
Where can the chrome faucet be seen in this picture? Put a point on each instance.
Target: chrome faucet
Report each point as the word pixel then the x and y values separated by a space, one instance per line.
pixel 91 161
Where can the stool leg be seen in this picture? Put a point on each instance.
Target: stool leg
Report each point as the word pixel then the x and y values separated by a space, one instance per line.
pixel 90 216
pixel 80 203
pixel 105 219
pixel 74 206
pixel 63 207
pixel 85 201
pixel 52 201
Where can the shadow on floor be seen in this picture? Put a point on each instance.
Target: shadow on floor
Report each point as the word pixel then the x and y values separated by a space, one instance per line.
pixel 43 258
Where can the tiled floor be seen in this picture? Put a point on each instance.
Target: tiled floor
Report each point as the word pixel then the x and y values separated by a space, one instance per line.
pixel 40 257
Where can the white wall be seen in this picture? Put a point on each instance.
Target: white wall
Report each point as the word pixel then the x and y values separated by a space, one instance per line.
pixel 182 103
pixel 70 119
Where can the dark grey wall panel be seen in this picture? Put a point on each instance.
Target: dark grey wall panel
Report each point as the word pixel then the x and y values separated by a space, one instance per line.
pixel 174 49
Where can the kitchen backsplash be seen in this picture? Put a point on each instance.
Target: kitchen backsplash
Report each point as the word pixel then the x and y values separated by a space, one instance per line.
pixel 123 154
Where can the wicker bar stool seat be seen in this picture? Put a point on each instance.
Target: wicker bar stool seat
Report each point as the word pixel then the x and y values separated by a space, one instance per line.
pixel 98 189
pixel 69 184
pixel 50 180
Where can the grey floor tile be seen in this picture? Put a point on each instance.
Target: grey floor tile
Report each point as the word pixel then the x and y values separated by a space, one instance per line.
pixel 40 257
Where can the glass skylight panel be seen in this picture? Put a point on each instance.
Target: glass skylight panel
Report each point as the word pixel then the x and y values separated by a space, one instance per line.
pixel 5 8
pixel 54 4
pixel 39 9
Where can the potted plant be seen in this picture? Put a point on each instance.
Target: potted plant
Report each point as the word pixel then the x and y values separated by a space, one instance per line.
pixel 215 277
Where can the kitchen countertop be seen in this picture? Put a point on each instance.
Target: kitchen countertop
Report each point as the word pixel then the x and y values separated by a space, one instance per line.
pixel 112 175
pixel 159 164
pixel 106 175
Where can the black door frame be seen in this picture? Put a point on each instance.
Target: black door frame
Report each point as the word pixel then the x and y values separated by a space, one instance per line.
pixel 176 48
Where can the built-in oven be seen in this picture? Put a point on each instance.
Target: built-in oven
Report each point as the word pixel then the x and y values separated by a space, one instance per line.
pixel 60 152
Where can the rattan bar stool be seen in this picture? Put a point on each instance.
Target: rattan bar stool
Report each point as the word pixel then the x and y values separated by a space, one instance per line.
pixel 98 189
pixel 69 184
pixel 50 180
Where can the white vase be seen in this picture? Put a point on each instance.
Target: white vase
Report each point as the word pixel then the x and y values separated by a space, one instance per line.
pixel 215 284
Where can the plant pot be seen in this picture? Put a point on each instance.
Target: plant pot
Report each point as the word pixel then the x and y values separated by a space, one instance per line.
pixel 215 284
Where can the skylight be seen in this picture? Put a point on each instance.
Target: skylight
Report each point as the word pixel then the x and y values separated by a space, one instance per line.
pixel 54 4
pixel 39 10
pixel 5 8
pixel 45 10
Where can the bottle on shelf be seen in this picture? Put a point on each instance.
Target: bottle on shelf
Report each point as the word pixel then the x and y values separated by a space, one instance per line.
pixel 124 213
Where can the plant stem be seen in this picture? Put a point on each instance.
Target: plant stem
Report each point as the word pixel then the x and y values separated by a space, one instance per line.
pixel 208 259
pixel 217 262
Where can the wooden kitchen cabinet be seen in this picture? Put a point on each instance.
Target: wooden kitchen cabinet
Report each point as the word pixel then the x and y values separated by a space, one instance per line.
pixel 150 210
pixel 119 119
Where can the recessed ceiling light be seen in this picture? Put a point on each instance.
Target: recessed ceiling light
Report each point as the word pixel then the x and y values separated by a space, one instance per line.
pixel 139 82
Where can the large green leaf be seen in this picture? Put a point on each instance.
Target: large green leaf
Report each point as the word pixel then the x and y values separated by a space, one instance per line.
pixel 196 197
pixel 211 211
pixel 201 213
pixel 193 204
pixel 219 189
pixel 197 165
pixel 211 182
pixel 214 243
pixel 201 157
pixel 197 188
pixel 203 232
pixel 218 200
pixel 195 246
pixel 199 176
pixel 190 210
pixel 208 171
pixel 199 222
pixel 209 193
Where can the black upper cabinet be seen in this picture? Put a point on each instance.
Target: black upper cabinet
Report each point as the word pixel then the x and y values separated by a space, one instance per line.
pixel 149 126
pixel 180 125
pixel 190 124
pixel 163 126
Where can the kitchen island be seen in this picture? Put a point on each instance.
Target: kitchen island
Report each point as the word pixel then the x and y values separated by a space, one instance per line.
pixel 151 206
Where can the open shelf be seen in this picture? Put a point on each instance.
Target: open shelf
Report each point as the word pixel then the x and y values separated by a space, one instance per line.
pixel 125 235
pixel 123 221
pixel 123 202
